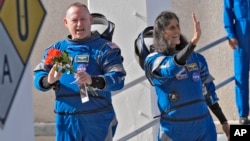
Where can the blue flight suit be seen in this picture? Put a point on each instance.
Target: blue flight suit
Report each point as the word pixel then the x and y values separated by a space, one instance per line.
pixel 184 111
pixel 237 25
pixel 94 120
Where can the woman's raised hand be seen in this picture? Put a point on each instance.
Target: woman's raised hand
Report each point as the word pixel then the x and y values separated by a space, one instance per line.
pixel 197 30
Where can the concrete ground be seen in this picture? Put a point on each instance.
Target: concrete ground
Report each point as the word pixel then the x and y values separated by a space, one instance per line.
pixel 43 135
pixel 221 137
pixel 45 138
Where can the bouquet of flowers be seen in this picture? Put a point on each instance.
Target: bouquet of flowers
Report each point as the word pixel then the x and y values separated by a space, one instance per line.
pixel 61 59
pixel 63 64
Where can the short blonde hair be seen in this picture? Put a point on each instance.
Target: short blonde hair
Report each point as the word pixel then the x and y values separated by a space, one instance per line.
pixel 77 4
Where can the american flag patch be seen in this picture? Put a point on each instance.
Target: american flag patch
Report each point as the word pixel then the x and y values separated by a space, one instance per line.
pixel 112 45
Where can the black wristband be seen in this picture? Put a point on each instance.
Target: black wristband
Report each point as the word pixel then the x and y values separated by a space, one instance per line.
pixel 98 82
pixel 215 108
pixel 45 84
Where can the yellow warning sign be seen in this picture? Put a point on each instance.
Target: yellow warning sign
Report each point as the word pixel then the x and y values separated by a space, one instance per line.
pixel 22 20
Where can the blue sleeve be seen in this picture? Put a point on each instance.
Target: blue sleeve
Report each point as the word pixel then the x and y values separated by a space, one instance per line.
pixel 38 75
pixel 112 65
pixel 40 71
pixel 211 96
pixel 209 90
pixel 160 68
pixel 228 18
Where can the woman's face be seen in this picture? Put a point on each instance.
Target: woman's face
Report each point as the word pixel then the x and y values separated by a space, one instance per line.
pixel 172 32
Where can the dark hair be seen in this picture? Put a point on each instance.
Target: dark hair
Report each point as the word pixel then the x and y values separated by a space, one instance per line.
pixel 161 22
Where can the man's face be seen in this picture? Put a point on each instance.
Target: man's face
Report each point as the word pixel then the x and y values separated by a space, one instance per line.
pixel 78 22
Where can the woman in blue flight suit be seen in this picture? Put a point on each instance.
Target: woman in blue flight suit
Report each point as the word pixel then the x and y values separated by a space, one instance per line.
pixel 143 47
pixel 237 26
pixel 181 80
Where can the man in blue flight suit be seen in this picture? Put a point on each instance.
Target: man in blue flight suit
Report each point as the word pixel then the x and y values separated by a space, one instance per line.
pixel 237 25
pixel 103 72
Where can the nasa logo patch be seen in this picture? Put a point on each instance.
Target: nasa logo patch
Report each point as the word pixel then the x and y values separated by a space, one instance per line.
pixel 196 76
